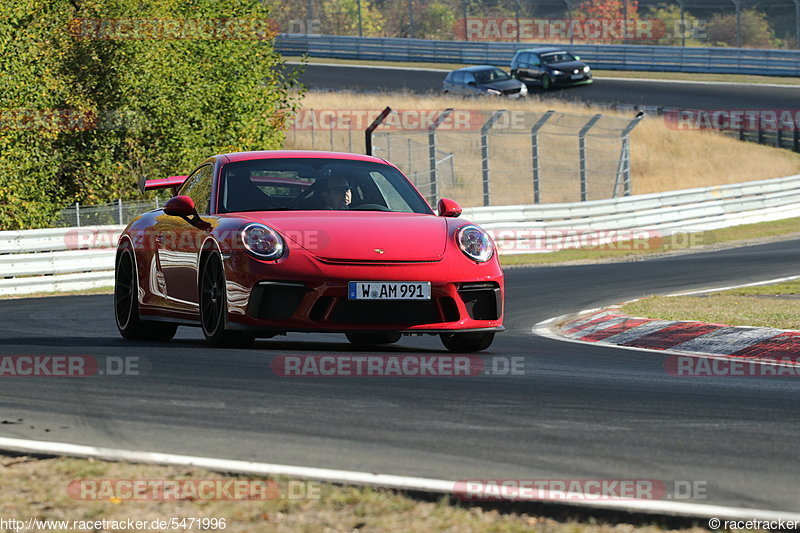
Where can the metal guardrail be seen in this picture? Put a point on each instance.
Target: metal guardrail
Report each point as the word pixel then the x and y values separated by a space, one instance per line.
pixel 515 228
pixel 65 259
pixel 57 259
pixel 606 57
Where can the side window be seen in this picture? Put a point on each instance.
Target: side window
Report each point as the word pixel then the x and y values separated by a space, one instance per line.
pixel 458 77
pixel 533 60
pixel 198 188
pixel 468 77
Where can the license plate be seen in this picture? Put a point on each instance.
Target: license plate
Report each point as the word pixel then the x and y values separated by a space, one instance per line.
pixel 577 76
pixel 389 290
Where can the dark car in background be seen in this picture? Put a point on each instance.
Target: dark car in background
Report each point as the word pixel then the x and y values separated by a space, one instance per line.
pixel 549 67
pixel 483 79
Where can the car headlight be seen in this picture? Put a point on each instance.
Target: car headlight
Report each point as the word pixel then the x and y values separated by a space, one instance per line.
pixel 557 73
pixel 475 243
pixel 493 91
pixel 586 68
pixel 262 241
pixel 523 89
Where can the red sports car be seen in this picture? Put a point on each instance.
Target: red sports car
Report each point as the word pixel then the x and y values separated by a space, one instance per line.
pixel 257 244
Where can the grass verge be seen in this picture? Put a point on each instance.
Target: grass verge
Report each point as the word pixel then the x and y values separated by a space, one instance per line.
pixel 683 76
pixel 682 242
pixel 82 292
pixel 39 487
pixel 774 306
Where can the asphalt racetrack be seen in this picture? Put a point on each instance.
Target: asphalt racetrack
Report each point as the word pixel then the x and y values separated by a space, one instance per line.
pixel 650 93
pixel 578 412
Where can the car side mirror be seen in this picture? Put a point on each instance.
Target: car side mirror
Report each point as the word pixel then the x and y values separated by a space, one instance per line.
pixel 180 206
pixel 183 206
pixel 448 208
pixel 471 83
pixel 577 58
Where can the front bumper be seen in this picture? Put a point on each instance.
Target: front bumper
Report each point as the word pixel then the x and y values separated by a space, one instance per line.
pixel 278 298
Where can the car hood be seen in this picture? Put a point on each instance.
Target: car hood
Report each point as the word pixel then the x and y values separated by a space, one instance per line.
pixel 568 66
pixel 502 85
pixel 361 235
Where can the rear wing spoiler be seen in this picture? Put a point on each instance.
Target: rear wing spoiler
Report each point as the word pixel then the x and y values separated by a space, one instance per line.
pixel 172 182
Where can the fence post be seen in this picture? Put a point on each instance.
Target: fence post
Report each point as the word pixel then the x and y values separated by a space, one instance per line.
pixel 375 123
pixel 796 138
pixel 535 152
pixel 624 165
pixel 779 137
pixel 119 210
pixel 485 153
pixel 432 152
pixel 78 214
pixel 582 151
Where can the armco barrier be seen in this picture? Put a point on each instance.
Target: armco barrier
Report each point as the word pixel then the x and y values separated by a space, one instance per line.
pixel 608 57
pixel 47 260
pixel 57 259
pixel 684 211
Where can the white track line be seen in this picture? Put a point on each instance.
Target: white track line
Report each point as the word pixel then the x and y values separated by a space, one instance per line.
pixel 382 480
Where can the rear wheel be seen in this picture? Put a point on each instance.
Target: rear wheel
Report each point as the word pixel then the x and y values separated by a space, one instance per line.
pixel 372 338
pixel 214 306
pixel 126 305
pixel 467 342
pixel 547 82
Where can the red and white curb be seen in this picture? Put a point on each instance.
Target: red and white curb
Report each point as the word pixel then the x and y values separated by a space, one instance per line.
pixel 611 327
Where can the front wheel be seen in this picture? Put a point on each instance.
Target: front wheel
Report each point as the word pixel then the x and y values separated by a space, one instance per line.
pixel 214 307
pixel 126 305
pixel 547 82
pixel 467 342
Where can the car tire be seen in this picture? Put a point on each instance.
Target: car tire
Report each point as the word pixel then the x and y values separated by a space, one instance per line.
pixel 467 342
pixel 126 304
pixel 372 338
pixel 547 82
pixel 214 307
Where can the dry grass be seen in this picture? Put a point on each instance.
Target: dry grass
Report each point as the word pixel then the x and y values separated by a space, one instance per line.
pixel 37 488
pixel 774 306
pixel 663 159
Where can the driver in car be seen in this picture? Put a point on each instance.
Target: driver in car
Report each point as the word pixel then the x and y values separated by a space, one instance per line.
pixel 336 194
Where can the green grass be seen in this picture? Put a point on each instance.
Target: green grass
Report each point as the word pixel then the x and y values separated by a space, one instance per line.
pixel 674 243
pixel 774 306
pixel 731 78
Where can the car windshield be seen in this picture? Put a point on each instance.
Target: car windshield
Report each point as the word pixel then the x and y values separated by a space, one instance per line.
pixel 490 75
pixel 557 57
pixel 316 184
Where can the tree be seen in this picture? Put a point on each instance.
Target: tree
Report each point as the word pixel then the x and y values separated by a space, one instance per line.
pixel 340 17
pixel 756 30
pixel 688 32
pixel 622 12
pixel 147 91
